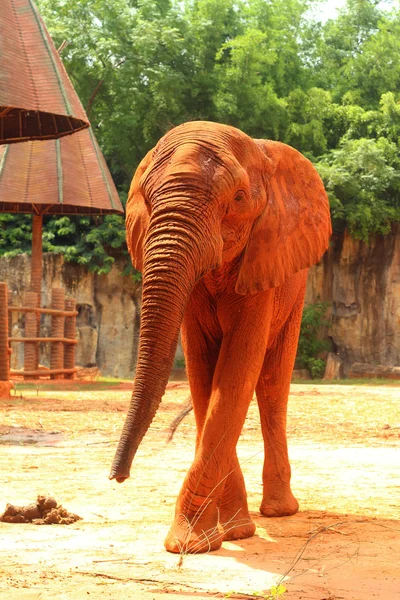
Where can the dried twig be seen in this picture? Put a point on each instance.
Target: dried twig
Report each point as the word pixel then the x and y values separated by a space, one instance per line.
pixel 62 47
pixel 176 422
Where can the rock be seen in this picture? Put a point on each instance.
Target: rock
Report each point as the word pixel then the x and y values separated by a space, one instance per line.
pixel 301 374
pixel 108 307
pixel 334 367
pixel 87 346
pixel 17 354
pixel 178 374
pixel 388 372
pixel 364 370
pixel 361 281
pixel 87 374
pixel 118 304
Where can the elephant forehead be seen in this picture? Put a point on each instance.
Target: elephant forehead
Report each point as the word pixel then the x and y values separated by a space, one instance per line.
pixel 192 157
pixel 215 137
pixel 206 131
pixel 194 163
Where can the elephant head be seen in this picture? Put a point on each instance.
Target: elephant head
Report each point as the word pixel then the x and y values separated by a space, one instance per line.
pixel 209 197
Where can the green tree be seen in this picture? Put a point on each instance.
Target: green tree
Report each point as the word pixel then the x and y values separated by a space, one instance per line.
pixel 89 241
pixel 15 234
pixel 269 67
pixel 362 179
pixel 357 53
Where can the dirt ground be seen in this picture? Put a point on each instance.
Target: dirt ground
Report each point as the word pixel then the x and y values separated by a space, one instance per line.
pixel 343 544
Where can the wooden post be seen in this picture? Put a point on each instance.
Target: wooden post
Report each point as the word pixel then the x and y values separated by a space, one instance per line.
pixel 5 384
pixel 57 331
pixel 36 269
pixel 70 333
pixel 31 349
pixel 37 256
pixel 4 357
pixel 10 328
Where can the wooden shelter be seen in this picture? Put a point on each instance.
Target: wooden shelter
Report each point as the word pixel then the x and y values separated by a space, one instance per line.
pixel 67 176
pixel 37 99
pixel 64 176
pixel 52 176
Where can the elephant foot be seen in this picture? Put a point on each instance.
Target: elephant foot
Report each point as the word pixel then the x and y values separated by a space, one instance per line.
pixel 236 524
pixel 239 531
pixel 183 538
pixel 279 503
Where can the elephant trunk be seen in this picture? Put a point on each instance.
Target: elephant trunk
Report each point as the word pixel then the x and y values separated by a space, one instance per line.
pixel 169 275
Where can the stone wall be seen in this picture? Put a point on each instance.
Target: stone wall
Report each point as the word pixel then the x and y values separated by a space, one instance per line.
pixel 108 307
pixel 360 282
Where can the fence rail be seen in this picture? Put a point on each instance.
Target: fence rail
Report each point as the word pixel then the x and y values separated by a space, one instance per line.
pixel 63 315
pixel 42 311
pixel 42 372
pixel 42 339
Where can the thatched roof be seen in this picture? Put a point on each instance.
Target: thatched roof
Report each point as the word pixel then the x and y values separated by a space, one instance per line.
pixel 37 99
pixel 63 176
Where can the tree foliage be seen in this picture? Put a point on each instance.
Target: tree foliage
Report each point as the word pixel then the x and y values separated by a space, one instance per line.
pixel 273 68
pixel 312 344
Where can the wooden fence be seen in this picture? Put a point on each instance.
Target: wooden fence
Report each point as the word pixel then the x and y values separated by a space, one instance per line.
pixel 62 338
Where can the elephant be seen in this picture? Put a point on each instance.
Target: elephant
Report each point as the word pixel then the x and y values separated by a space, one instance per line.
pixel 223 228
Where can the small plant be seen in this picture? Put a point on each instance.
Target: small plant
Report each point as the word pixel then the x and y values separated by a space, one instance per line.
pixel 276 592
pixel 311 345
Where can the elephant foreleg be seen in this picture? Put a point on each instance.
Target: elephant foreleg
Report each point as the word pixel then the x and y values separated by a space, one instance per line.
pixel 193 530
pixel 212 504
pixel 272 395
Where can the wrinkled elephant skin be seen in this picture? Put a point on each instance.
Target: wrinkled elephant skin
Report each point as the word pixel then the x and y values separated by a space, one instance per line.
pixel 223 228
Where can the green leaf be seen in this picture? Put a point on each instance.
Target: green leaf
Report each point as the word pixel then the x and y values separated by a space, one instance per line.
pixel 270 68
pixel 278 590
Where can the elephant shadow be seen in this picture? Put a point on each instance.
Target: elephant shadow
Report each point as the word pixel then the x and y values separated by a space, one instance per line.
pixel 313 548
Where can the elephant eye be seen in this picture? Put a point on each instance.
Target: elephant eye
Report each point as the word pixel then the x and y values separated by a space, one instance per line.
pixel 240 196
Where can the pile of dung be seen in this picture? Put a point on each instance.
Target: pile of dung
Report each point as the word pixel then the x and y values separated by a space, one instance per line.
pixel 46 511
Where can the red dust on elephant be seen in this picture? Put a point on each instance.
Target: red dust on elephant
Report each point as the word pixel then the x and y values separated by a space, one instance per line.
pixel 223 228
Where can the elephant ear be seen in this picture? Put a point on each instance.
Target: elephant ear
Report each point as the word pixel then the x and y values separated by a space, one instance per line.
pixel 137 215
pixel 292 233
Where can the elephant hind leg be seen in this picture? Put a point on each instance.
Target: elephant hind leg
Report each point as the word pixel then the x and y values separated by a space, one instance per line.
pixel 272 393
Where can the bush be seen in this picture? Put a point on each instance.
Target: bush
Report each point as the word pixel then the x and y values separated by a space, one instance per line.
pixel 311 344
pixel 90 241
